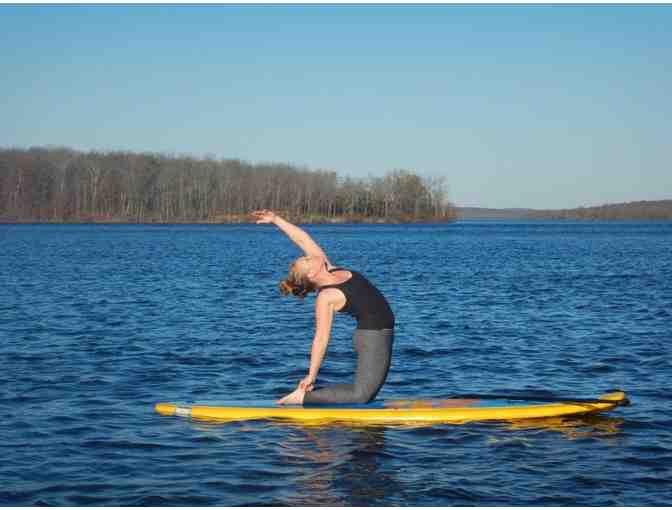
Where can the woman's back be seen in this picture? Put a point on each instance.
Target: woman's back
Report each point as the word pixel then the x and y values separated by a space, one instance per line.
pixel 364 302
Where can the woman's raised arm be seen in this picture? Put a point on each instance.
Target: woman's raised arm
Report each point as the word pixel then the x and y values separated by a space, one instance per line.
pixel 299 236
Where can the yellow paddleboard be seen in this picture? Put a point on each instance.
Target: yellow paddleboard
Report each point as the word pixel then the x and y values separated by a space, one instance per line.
pixel 397 411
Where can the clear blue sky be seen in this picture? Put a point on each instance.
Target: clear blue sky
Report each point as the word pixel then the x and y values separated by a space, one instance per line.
pixel 518 106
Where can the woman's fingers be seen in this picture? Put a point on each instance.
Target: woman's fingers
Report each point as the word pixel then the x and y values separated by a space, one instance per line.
pixel 295 397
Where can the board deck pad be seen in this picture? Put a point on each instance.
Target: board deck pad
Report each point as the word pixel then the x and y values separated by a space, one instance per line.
pixel 393 410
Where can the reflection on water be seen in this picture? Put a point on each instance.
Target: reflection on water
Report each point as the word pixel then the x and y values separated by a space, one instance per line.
pixel 345 465
pixel 573 428
pixel 338 466
pixel 333 466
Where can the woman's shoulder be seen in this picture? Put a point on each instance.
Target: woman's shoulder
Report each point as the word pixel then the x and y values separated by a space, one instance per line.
pixel 329 295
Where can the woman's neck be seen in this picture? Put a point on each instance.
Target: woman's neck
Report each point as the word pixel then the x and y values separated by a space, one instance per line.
pixel 327 278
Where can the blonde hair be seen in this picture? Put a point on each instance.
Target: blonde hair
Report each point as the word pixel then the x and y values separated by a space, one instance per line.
pixel 296 283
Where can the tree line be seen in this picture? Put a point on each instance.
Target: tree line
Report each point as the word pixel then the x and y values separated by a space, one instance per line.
pixel 64 185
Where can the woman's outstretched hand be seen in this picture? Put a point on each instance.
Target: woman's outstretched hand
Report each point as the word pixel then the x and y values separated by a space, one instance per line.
pixel 264 216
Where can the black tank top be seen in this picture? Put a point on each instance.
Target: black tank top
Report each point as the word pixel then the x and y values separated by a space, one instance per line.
pixel 364 302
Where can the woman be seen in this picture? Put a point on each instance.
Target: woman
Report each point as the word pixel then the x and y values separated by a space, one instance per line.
pixel 339 290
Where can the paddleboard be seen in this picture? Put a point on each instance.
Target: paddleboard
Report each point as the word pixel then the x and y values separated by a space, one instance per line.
pixel 396 411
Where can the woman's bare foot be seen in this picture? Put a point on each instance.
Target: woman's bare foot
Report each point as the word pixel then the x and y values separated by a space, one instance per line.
pixel 294 398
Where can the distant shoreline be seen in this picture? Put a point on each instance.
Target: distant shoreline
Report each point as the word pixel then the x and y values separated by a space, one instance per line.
pixel 227 221
pixel 339 221
pixel 633 211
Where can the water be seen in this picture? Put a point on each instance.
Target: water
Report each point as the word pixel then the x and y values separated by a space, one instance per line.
pixel 98 323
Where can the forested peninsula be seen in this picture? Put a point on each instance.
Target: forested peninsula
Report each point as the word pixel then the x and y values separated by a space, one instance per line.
pixel 62 185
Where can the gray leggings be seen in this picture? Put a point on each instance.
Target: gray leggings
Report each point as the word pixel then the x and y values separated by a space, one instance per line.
pixel 374 353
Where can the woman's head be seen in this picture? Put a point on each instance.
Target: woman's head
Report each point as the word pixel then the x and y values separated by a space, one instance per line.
pixel 302 271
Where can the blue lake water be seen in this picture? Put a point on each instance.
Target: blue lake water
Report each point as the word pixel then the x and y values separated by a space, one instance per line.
pixel 98 323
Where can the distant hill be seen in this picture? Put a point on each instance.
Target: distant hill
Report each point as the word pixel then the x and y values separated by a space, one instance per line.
pixel 642 210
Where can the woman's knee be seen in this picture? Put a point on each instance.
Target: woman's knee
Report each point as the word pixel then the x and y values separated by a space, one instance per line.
pixel 363 396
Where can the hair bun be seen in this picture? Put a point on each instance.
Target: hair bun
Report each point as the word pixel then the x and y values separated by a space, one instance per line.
pixel 286 288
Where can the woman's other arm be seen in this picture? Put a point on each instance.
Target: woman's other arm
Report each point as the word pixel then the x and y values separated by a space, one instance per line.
pixel 324 312
pixel 324 315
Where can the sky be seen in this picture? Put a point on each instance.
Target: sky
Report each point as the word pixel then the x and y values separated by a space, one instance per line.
pixel 536 106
